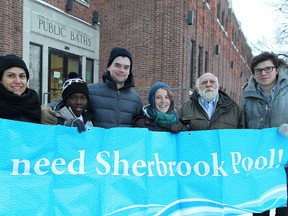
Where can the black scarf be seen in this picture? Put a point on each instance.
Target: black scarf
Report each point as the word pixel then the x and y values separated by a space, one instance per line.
pixel 25 107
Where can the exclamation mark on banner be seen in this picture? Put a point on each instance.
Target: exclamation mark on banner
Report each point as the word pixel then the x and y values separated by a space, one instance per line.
pixel 272 158
pixel 280 152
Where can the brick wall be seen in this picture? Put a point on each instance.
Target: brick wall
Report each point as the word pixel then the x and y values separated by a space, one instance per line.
pixel 157 34
pixel 79 10
pixel 11 30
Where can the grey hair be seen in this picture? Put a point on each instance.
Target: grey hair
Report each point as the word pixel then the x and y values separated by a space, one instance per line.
pixel 198 81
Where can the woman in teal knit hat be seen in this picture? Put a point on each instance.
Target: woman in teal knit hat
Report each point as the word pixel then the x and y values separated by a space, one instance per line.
pixel 160 114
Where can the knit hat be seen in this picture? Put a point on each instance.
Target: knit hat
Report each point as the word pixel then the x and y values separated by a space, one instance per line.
pixel 72 86
pixel 73 75
pixel 117 51
pixel 153 89
pixel 11 60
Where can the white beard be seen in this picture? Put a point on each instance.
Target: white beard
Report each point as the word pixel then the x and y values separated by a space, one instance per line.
pixel 208 95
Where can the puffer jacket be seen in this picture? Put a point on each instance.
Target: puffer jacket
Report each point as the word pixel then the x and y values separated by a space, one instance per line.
pixel 114 107
pixel 258 113
pixel 227 114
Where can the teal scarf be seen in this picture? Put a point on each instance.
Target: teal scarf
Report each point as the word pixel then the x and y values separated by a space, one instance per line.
pixel 162 119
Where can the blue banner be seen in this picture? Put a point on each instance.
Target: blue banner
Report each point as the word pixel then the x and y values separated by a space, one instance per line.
pixel 54 170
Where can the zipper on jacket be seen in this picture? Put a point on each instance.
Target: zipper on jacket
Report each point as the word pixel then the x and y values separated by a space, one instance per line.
pixel 118 111
pixel 267 119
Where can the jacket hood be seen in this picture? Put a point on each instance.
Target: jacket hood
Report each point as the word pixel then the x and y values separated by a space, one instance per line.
pixel 144 109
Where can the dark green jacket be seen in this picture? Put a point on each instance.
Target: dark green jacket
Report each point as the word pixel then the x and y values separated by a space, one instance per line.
pixel 227 114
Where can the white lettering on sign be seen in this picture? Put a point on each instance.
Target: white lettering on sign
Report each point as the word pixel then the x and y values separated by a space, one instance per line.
pixel 108 163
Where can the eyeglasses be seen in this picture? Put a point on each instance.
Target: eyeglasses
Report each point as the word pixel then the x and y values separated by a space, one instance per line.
pixel 268 69
pixel 70 81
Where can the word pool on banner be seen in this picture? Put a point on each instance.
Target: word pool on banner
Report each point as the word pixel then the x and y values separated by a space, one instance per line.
pixel 54 170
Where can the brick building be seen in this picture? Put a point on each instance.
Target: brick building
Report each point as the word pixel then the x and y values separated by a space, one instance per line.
pixel 51 41
pixel 171 41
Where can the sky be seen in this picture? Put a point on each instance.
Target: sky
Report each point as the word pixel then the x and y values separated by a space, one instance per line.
pixel 257 19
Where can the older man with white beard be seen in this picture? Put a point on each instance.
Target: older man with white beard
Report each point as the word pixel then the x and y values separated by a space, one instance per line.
pixel 210 108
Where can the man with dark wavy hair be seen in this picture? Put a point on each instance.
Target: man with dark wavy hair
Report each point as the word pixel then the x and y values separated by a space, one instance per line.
pixel 265 99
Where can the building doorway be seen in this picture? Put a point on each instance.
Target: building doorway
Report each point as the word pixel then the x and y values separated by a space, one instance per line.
pixel 60 64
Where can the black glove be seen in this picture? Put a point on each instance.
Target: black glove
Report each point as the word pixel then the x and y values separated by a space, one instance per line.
pixel 75 122
pixel 176 128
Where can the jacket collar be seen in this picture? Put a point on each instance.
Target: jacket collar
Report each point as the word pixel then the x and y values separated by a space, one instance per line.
pixel 223 98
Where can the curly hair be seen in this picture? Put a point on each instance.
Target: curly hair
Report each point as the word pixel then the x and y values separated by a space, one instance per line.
pixel 263 57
